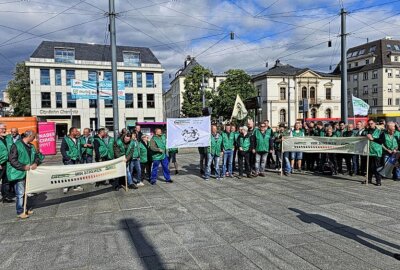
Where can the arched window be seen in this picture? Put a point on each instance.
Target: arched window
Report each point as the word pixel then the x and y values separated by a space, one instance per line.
pixel 328 113
pixel 313 113
pixel 312 94
pixel 304 92
pixel 282 116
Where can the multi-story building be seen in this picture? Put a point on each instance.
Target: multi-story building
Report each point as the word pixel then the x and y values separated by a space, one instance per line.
pixel 374 75
pixel 54 65
pixel 322 90
pixel 173 98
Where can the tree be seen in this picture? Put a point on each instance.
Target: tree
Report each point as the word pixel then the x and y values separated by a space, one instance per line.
pixel 19 91
pixel 236 83
pixel 192 97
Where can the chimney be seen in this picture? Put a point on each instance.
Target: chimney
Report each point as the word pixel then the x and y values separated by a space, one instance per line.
pixel 187 60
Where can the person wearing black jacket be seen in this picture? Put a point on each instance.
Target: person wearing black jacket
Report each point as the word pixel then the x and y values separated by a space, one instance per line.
pixel 244 153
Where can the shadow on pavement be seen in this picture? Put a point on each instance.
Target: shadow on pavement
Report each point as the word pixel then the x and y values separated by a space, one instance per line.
pixel 353 234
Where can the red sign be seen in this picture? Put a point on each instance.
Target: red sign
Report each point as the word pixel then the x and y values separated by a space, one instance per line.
pixel 47 138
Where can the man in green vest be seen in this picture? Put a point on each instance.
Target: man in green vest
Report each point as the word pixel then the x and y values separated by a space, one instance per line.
pixel 214 153
pixel 109 141
pixel 244 143
pixel 390 145
pixel 145 157
pixel 71 152
pixel 101 149
pixel 135 162
pixel 236 136
pixel 4 151
pixel 228 145
pixel 86 144
pixel 23 157
pixel 124 147
pixel 261 145
pixel 158 146
pixel 375 151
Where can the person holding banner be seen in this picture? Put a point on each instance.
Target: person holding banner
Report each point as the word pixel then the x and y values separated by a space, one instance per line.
pixel 109 141
pixel 172 158
pixel 296 156
pixel 390 145
pixel 375 151
pixel 158 146
pixel 86 144
pixel 123 147
pixel 244 144
pixel 214 153
pixel 261 145
pixel 101 150
pixel 71 152
pixel 23 157
pixel 228 144
pixel 4 152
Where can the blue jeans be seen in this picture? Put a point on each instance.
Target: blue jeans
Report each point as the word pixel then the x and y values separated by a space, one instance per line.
pixel 355 160
pixel 261 158
pixel 286 162
pixel 19 193
pixel 87 159
pixel 154 170
pixel 129 175
pixel 210 159
pixel 135 165
pixel 228 158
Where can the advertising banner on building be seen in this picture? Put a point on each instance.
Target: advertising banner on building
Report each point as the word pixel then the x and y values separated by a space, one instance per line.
pixel 56 177
pixel 47 138
pixel 188 132
pixel 88 90
pixel 343 145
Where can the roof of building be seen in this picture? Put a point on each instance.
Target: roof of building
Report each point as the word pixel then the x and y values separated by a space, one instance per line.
pixel 93 52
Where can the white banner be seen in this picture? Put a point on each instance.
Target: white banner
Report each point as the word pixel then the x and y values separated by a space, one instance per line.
pixel 342 145
pixel 54 177
pixel 188 132
pixel 360 107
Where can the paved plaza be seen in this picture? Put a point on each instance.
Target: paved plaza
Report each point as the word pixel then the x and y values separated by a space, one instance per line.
pixel 300 222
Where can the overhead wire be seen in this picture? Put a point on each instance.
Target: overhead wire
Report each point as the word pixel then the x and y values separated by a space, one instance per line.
pixel 212 45
pixel 268 7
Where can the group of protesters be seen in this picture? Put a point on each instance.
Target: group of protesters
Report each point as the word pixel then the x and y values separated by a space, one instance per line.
pixel 250 150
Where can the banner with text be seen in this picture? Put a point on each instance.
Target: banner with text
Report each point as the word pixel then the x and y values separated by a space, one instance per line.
pixel 88 90
pixel 188 132
pixel 54 177
pixel 47 138
pixel 344 145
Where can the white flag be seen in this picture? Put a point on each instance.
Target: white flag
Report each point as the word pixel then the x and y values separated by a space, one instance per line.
pixel 239 110
pixel 360 107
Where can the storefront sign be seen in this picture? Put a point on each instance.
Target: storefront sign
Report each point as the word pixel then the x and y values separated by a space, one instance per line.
pixel 58 112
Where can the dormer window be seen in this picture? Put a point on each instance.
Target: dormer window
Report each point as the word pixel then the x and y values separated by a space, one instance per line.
pixel 372 49
pixel 64 55
pixel 131 59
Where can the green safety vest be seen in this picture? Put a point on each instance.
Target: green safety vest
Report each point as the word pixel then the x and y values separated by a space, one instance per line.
pixel 162 144
pixel 390 142
pixel 375 149
pixel 124 151
pixel 136 149
pixel 103 148
pixel 23 157
pixel 110 147
pixel 3 153
pixel 86 150
pixel 143 153
pixel 215 147
pixel 262 140
pixel 173 150
pixel 9 141
pixel 228 140
pixel 74 151
pixel 298 134
pixel 244 143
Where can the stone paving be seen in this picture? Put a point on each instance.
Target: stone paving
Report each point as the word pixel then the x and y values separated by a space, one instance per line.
pixel 300 222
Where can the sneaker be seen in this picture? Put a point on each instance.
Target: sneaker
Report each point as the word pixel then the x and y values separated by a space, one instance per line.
pixel 140 184
pixel 23 216
pixel 169 181
pixel 153 182
pixel 132 186
pixel 206 179
pixel 78 188
pixel 65 190
pixel 218 179
pixel 176 172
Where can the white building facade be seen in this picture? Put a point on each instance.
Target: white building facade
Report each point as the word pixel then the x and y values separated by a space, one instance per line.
pixel 322 90
pixel 54 65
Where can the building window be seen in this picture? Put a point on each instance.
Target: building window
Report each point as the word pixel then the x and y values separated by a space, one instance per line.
pixel 70 76
pixel 108 103
pixel 328 113
pixel 375 102
pixel 389 73
pixel 92 76
pixel 367 61
pixel 71 103
pixel 128 79
pixel 139 81
pixel 283 93
pixel 355 91
pixel 282 116
pixel 365 90
pixel 109 123
pixel 57 77
pixel 390 87
pixel 328 93
pixel 92 103
pixel 356 64
pixel 397 73
pixel 140 101
pixel 149 80
pixel 389 101
pixel 63 55
pixel 107 76
pixel 45 76
pixel 375 88
pixel 397 101
pixel 312 93
pixel 304 92
pixel 131 59
pixel 128 100
pixel 313 113
pixel 149 119
pixel 150 101
pixel 355 77
pixel 396 59
pixel 59 103
pixel 365 76
pixel 397 87
pixel 349 66
pixel 375 74
pixel 46 100
pixel 372 49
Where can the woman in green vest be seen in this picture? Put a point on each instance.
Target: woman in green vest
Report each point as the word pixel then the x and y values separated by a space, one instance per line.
pixel 158 146
pixel 296 156
pixel 244 153
pixel 23 157
pixel 145 157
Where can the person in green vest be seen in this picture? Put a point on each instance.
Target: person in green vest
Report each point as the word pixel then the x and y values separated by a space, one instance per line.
pixel 123 147
pixel 86 144
pixel 71 152
pixel 214 153
pixel 390 145
pixel 244 152
pixel 158 147
pixel 172 152
pixel 135 162
pixel 261 146
pixel 236 136
pixel 109 141
pixel 23 157
pixel 12 137
pixel 101 150
pixel 228 145
pixel 6 194
pixel 145 157
pixel 375 151
pixel 296 156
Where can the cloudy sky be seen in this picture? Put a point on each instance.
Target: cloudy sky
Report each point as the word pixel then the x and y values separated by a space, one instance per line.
pixel 295 31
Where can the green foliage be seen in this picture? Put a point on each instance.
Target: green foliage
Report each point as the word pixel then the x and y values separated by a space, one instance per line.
pixel 19 91
pixel 237 83
pixel 192 97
